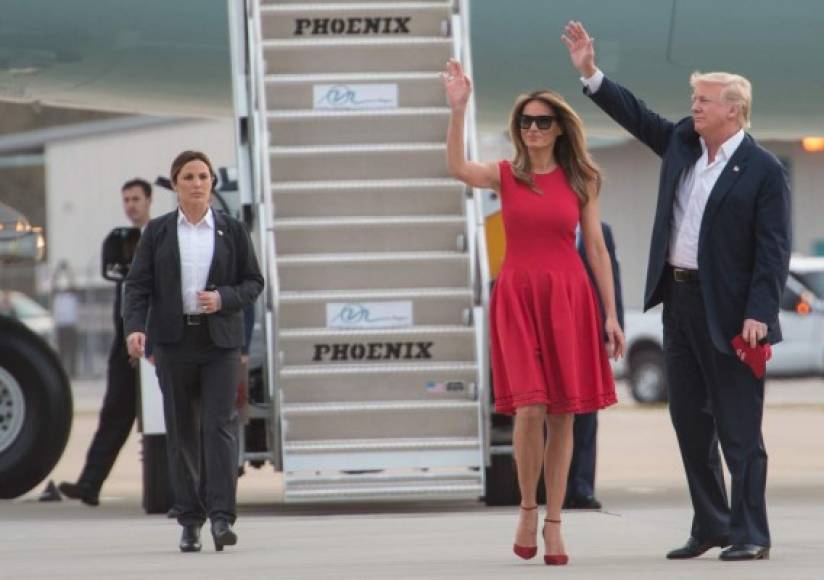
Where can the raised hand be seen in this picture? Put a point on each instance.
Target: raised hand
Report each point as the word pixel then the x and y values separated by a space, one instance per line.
pixel 457 85
pixel 581 50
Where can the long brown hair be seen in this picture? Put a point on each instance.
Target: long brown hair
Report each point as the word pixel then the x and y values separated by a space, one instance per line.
pixel 570 146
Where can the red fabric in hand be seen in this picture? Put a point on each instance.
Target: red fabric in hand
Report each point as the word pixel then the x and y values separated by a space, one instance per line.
pixel 755 358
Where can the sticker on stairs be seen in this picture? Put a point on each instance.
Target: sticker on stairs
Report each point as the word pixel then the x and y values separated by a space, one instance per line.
pixel 369 314
pixel 443 387
pixel 355 96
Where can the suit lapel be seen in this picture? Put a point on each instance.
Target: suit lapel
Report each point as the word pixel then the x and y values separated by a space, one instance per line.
pixel 689 150
pixel 169 239
pixel 734 168
pixel 219 255
pixel 172 233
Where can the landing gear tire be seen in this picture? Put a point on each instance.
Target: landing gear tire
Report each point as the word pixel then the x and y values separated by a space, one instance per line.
pixel 35 409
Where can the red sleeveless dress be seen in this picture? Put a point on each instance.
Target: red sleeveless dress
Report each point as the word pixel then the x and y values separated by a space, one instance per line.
pixel 546 328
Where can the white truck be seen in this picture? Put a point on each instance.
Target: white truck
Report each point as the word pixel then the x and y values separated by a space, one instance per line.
pixel 801 353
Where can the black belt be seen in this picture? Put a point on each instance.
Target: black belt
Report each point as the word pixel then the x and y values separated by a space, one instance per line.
pixel 194 319
pixel 684 275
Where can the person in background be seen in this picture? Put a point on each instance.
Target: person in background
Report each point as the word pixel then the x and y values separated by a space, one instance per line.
pixel 65 307
pixel 581 482
pixel 118 412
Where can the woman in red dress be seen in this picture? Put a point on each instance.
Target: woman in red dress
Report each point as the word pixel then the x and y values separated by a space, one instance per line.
pixel 549 358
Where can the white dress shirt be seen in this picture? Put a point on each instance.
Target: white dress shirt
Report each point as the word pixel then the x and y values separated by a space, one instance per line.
pixel 692 194
pixel 691 199
pixel 197 246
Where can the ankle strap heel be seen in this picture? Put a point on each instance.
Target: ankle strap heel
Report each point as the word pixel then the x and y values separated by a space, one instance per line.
pixel 554 559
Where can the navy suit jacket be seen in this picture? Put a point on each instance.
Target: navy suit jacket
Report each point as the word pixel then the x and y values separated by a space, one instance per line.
pixel 154 279
pixel 744 240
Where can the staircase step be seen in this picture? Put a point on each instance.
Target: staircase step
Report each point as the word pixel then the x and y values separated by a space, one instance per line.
pixel 356 55
pixel 388 492
pixel 370 295
pixel 383 444
pixel 377 345
pixel 336 408
pixel 373 270
pixel 325 127
pixel 378 197
pixel 340 372
pixel 343 2
pixel 370 234
pixel 352 162
pixel 383 453
pixel 355 19
pixel 408 381
pixel 429 305
pixel 297 91
pixel 375 419
pixel 320 224
pixel 405 476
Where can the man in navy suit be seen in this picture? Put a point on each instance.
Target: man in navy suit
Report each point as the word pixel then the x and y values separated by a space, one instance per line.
pixel 581 480
pixel 718 261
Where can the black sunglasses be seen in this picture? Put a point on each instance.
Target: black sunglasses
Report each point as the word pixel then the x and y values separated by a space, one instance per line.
pixel 543 122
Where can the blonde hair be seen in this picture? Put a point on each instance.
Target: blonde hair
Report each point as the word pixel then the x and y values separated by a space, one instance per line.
pixel 737 90
pixel 571 152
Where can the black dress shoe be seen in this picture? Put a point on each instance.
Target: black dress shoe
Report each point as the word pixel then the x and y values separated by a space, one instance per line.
pixel 694 548
pixel 190 538
pixel 738 552
pixel 80 491
pixel 223 534
pixel 587 502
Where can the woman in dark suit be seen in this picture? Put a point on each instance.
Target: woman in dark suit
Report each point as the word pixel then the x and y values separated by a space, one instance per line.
pixel 193 273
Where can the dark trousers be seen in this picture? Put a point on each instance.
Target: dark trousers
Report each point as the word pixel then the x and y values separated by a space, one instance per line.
pixel 713 397
pixel 117 416
pixel 581 481
pixel 199 383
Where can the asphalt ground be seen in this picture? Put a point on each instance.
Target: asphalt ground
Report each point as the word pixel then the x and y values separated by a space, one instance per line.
pixel 640 481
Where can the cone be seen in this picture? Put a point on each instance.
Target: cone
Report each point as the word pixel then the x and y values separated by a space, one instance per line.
pixel 50 493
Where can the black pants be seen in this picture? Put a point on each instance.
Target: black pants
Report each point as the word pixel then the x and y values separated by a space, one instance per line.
pixel 581 481
pixel 199 384
pixel 715 398
pixel 117 416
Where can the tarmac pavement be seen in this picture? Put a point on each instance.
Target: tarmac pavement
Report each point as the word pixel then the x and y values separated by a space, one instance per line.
pixel 640 483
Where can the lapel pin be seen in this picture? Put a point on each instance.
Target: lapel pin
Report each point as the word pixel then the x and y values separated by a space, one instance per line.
pixel 735 168
pixel 220 232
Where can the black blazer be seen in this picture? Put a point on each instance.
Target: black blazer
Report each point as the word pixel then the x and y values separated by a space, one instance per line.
pixel 616 273
pixel 744 241
pixel 154 280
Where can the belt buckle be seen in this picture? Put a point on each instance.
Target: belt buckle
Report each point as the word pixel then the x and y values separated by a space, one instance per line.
pixel 682 275
pixel 192 319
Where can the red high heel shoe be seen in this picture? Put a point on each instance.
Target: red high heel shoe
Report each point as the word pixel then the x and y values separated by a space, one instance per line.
pixel 554 559
pixel 525 552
